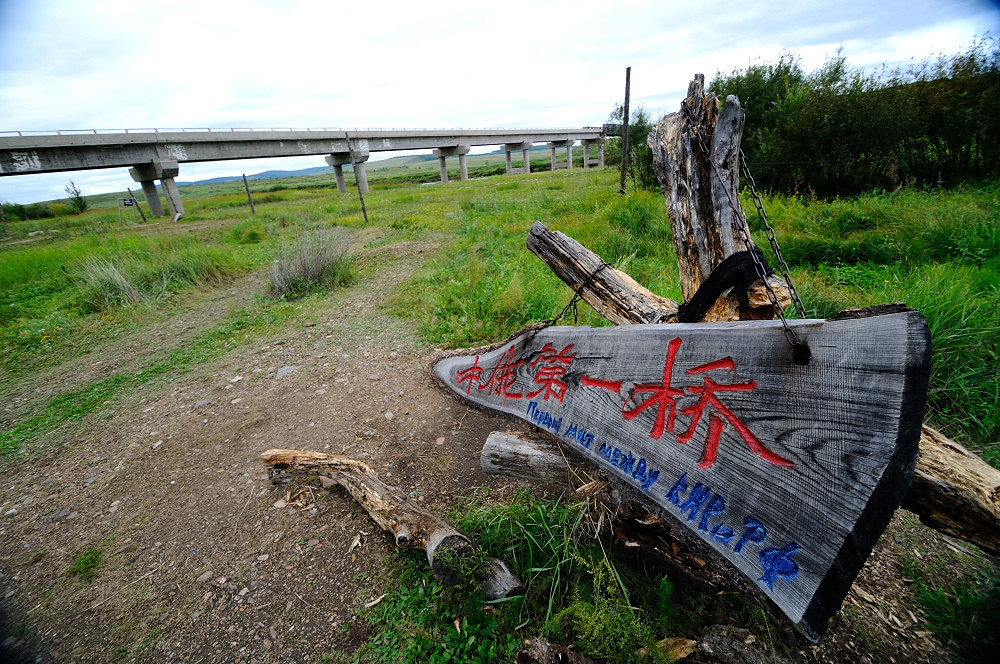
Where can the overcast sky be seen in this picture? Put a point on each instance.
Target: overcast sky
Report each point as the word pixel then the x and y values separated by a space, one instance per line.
pixel 85 64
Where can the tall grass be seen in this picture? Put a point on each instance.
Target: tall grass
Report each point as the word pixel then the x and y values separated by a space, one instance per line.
pixel 316 260
pixel 581 587
pixel 49 292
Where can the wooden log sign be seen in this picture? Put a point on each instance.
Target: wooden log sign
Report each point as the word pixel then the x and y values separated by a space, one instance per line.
pixel 790 473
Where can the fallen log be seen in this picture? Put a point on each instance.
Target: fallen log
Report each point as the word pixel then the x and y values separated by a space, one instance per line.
pixel 953 490
pixel 611 292
pixel 453 557
pixel 527 456
pixel 956 492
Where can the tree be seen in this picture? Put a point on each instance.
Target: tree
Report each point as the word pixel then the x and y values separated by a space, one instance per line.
pixel 76 200
pixel 639 167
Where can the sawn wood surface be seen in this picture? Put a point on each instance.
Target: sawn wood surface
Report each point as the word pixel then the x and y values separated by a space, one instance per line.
pixel 789 472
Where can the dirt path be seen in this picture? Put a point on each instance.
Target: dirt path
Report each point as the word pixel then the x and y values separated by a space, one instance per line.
pixel 201 565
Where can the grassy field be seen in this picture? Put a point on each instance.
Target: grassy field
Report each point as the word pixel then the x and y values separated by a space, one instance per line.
pixel 84 280
pixel 938 251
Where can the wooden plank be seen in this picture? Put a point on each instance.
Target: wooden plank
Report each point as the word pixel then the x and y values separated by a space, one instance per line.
pixel 789 473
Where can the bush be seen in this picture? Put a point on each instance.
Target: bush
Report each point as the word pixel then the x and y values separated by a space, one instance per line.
pixel 106 285
pixel 249 232
pixel 316 261
pixel 76 201
pixel 840 131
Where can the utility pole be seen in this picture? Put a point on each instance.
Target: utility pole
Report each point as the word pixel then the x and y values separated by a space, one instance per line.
pixel 628 76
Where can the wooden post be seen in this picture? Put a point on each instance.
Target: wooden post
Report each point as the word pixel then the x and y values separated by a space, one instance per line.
pixel 132 196
pixel 357 182
pixel 246 186
pixel 628 76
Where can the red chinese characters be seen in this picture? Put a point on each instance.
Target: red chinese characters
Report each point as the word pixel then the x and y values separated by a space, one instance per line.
pixel 678 409
pixel 550 367
pixel 549 375
pixel 664 397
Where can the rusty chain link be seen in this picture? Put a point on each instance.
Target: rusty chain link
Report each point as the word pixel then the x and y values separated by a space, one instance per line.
pixel 800 350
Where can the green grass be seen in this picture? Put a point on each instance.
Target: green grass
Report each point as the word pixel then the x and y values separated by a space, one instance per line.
pixel 86 564
pixel 582 588
pixel 936 250
pixel 963 612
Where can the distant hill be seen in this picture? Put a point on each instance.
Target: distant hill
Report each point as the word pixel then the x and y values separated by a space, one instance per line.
pixel 265 175
pixel 391 162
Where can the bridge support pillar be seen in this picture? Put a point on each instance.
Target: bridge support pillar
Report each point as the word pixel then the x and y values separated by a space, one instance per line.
pixel 568 144
pixel 152 197
pixel 173 195
pixel 164 171
pixel 523 147
pixel 339 159
pixel 443 153
pixel 587 161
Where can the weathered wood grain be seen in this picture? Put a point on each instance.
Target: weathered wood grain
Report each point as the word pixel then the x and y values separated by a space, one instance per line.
pixel 525 456
pixel 954 491
pixel 611 292
pixel 698 195
pixel 790 473
pixel 410 526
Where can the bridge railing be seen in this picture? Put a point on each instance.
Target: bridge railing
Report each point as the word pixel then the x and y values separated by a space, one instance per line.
pixel 228 130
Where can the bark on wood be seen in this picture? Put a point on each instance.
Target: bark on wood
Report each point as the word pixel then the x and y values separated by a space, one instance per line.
pixel 614 294
pixel 450 553
pixel 700 196
pixel 526 456
pixel 956 492
pixel 953 491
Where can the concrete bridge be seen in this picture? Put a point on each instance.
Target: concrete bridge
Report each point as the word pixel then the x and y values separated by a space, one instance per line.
pixel 152 154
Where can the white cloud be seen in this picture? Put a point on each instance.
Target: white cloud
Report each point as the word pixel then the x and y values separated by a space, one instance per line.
pixel 286 63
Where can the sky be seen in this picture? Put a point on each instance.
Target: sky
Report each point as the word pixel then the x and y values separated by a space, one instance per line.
pixel 98 64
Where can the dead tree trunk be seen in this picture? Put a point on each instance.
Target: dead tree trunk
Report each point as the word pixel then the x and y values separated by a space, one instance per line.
pixel 702 193
pixel 452 555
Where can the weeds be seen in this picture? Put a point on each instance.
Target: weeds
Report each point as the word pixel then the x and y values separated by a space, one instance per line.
pixel 965 613
pixel 316 260
pixel 85 565
pixel 581 588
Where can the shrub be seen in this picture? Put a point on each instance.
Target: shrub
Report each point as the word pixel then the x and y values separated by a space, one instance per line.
pixel 317 260
pixel 106 285
pixel 249 232
pixel 76 201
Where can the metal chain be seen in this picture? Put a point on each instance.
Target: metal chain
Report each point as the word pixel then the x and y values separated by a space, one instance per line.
pixel 801 352
pixel 577 296
pixel 759 204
